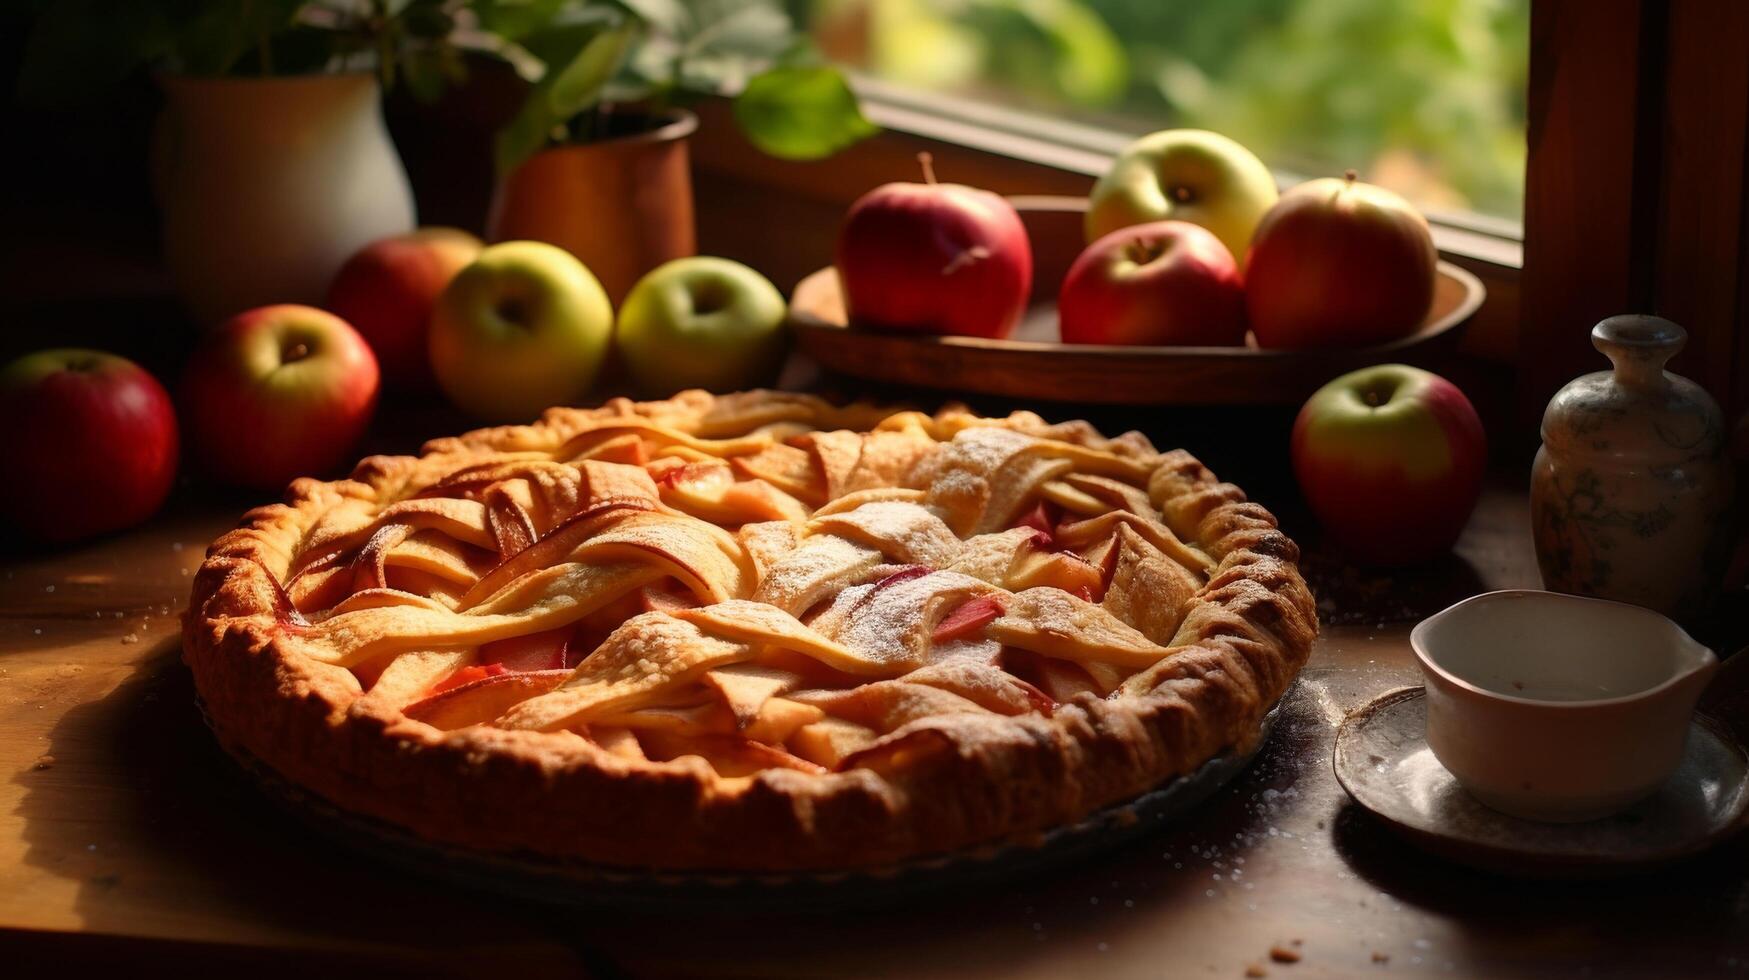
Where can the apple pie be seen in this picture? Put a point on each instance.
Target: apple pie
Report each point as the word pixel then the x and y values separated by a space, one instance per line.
pixel 753 631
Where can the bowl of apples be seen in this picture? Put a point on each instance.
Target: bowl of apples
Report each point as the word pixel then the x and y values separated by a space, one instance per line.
pixel 1184 278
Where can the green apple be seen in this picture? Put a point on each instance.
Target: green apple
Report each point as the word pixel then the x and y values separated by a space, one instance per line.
pixel 524 327
pixel 701 322
pixel 1184 175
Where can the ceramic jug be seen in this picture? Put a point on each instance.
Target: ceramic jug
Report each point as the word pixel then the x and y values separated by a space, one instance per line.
pixel 269 184
pixel 1631 491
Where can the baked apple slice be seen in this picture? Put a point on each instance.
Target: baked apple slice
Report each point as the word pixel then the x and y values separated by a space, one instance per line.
pixel 967 619
pixel 547 650
pixel 481 698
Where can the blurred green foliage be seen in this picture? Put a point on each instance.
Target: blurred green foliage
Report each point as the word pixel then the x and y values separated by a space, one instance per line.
pixel 1425 96
pixel 658 54
pixel 580 57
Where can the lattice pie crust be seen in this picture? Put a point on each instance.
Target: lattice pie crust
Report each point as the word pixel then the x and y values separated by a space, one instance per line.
pixel 752 631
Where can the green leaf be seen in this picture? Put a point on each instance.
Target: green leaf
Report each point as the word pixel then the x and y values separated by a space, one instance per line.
pixel 522 137
pixel 514 20
pixel 558 42
pixel 662 16
pixel 568 88
pixel 650 67
pixel 577 86
pixel 801 113
pixel 738 27
pixel 731 41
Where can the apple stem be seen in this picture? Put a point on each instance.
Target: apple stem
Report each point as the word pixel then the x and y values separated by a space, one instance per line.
pixel 1142 251
pixel 927 161
pixel 1351 175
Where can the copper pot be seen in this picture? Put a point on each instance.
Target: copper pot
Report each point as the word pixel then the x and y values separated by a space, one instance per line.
pixel 622 205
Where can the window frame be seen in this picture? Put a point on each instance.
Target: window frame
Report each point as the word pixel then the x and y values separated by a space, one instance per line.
pixel 1635 187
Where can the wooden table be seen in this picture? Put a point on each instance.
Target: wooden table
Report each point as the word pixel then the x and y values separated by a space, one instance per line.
pixel 127 837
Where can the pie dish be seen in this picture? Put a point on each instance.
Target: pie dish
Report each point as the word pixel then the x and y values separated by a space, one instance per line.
pixel 748 632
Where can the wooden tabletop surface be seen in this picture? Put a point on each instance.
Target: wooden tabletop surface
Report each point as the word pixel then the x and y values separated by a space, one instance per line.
pixel 127 837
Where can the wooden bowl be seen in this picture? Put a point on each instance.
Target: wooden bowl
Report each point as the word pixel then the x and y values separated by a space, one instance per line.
pixel 1034 364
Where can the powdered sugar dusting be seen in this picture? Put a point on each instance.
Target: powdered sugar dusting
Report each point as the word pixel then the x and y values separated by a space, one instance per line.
pixel 970 650
pixel 891 626
pixel 990 556
pixel 804 576
pixel 904 531
pixel 958 477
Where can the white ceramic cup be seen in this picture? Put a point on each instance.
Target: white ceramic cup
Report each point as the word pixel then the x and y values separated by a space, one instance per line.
pixel 1556 707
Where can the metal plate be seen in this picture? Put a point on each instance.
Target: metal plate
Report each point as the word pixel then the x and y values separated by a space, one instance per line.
pixel 580 884
pixel 1383 761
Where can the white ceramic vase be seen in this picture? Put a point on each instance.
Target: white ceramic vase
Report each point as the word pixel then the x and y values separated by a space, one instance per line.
pixel 269 184
pixel 1631 493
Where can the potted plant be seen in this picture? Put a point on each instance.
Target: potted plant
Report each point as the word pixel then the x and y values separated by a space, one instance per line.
pixel 271 163
pixel 596 160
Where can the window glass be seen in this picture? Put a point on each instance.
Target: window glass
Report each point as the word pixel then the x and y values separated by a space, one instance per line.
pixel 1423 96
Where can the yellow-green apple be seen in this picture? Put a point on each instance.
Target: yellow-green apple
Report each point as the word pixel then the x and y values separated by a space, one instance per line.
pixel 701 322
pixel 522 328
pixel 387 291
pixel 1339 263
pixel 935 258
pixel 1390 459
pixel 1168 282
pixel 276 393
pixel 89 444
pixel 1187 175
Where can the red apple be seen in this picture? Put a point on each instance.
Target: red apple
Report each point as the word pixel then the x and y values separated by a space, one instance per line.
pixel 89 444
pixel 935 258
pixel 1166 282
pixel 388 290
pixel 1339 263
pixel 1390 459
pixel 276 393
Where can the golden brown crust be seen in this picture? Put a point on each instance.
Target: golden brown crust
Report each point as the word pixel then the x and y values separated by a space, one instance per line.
pixel 937 784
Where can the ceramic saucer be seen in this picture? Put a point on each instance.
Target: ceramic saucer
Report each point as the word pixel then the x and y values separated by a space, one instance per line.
pixel 1383 761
